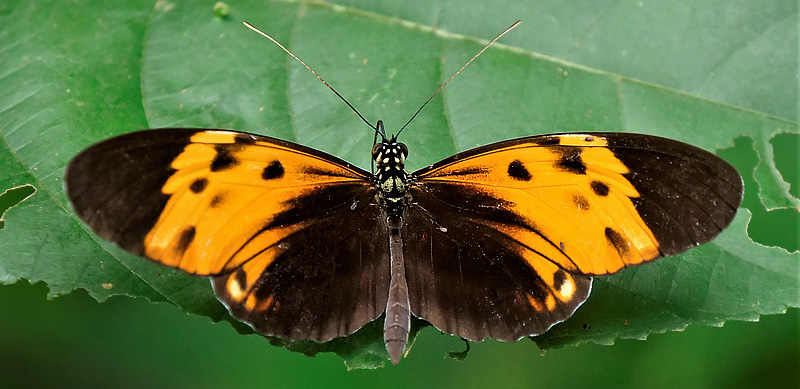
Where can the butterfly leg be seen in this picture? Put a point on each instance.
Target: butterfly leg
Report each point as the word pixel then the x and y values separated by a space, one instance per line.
pixel 398 311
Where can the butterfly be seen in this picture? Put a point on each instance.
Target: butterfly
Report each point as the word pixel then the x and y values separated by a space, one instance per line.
pixel 500 241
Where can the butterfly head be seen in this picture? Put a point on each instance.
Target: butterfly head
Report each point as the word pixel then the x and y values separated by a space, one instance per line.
pixel 390 157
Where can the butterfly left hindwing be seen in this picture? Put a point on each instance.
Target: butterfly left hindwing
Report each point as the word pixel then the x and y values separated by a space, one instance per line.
pixel 288 232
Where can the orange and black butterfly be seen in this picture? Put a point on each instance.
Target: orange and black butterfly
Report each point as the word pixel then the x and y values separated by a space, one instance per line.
pixel 496 242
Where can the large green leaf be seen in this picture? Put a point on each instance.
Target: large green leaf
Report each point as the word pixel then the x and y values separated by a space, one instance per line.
pixel 74 73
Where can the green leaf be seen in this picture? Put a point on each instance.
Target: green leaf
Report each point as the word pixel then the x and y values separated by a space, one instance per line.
pixel 13 196
pixel 77 72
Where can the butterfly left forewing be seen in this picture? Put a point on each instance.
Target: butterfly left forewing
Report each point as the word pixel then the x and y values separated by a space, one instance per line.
pixel 255 212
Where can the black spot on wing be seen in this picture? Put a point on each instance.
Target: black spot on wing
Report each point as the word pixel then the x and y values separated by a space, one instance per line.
pixel 224 158
pixel 241 278
pixel 217 200
pixel 186 238
pixel 272 171
pixel 199 185
pixel 599 188
pixel 580 201
pixel 616 240
pixel 517 171
pixel 570 160
pixel 558 279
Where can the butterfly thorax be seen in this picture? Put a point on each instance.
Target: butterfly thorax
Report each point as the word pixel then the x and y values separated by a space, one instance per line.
pixel 390 174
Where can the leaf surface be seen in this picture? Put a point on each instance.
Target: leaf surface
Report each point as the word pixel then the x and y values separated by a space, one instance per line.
pixel 77 72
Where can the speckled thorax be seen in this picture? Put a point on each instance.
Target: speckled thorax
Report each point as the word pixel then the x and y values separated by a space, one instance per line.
pixel 390 174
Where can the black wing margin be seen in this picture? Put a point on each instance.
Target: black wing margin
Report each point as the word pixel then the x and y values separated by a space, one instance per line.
pixel 687 195
pixel 115 185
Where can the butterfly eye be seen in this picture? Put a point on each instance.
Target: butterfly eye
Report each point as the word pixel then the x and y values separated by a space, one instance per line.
pixel 375 149
pixel 403 149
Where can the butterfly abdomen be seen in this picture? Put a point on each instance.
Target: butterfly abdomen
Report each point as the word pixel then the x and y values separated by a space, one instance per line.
pixel 398 307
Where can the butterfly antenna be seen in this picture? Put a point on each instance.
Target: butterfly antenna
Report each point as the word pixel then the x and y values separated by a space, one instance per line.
pixel 511 27
pixel 264 34
pixel 379 130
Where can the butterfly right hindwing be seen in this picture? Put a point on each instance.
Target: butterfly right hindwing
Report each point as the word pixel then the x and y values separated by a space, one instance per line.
pixel 473 281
